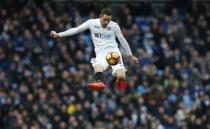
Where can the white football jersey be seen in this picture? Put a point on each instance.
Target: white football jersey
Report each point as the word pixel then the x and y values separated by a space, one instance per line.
pixel 102 37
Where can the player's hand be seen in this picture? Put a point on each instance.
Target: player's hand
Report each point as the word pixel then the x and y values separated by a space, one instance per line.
pixel 133 59
pixel 54 34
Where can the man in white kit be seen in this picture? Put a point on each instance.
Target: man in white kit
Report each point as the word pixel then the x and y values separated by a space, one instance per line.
pixel 104 33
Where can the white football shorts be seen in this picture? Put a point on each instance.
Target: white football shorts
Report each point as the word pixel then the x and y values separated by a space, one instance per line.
pixel 101 59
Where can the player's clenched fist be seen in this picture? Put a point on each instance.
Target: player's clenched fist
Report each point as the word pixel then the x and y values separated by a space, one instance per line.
pixel 133 59
pixel 54 34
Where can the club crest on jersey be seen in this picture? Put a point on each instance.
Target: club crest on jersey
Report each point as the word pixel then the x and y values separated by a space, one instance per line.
pixel 108 28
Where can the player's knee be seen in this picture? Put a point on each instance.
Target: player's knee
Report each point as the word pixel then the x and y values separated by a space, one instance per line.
pixel 120 74
pixel 98 68
pixel 121 77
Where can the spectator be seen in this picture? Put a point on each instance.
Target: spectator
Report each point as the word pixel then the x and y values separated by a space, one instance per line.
pixel 42 81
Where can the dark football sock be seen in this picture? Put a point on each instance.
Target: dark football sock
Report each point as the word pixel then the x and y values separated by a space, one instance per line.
pixel 113 81
pixel 99 76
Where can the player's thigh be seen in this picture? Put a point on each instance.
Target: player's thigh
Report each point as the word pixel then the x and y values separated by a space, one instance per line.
pixel 100 62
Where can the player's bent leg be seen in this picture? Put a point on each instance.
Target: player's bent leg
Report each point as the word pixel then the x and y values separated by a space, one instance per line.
pixel 98 68
pixel 99 84
pixel 120 74
pixel 99 72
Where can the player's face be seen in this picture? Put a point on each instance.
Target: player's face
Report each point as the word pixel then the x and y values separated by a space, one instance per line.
pixel 105 19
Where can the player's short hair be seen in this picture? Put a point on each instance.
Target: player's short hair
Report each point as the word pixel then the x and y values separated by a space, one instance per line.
pixel 106 11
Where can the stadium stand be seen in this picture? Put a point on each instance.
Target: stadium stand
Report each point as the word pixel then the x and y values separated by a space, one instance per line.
pixel 42 80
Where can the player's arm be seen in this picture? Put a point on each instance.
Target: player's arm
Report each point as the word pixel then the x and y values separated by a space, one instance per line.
pixel 125 45
pixel 71 31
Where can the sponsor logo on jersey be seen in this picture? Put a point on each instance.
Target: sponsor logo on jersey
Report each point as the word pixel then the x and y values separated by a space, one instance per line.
pixel 103 36
pixel 96 27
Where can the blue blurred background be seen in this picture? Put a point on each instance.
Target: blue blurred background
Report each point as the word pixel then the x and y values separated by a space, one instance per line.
pixel 42 80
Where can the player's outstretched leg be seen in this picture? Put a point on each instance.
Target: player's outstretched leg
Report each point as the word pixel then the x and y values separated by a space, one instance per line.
pixel 99 84
pixel 120 81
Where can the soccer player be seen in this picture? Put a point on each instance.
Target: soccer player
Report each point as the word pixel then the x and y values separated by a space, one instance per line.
pixel 104 33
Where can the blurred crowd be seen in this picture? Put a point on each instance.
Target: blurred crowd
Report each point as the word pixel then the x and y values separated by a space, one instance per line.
pixel 42 80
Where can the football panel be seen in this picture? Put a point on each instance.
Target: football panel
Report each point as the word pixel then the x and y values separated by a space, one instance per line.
pixel 118 60
pixel 112 61
pixel 108 56
pixel 115 55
